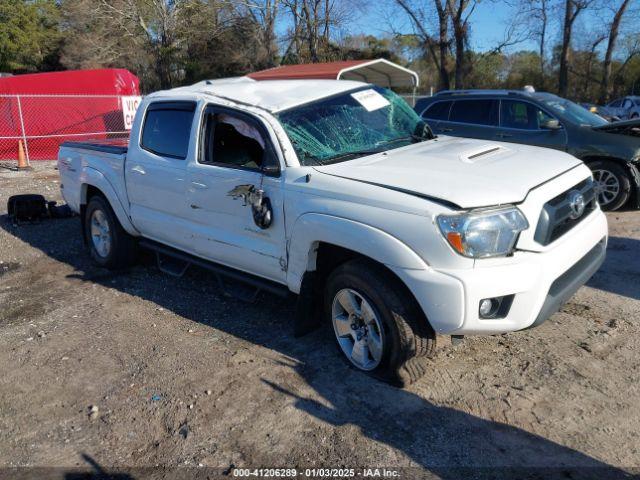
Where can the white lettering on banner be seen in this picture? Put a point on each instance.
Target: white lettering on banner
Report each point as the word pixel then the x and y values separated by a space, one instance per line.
pixel 370 99
pixel 129 108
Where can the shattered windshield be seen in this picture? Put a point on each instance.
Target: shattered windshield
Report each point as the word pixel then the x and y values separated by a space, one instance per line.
pixel 351 125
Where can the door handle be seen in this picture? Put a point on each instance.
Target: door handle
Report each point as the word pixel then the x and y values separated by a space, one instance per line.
pixel 201 186
pixel 445 129
pixel 504 135
pixel 139 170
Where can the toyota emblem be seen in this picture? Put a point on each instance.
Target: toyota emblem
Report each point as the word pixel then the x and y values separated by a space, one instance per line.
pixel 576 204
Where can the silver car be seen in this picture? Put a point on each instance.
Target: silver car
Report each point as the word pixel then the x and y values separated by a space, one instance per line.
pixel 624 108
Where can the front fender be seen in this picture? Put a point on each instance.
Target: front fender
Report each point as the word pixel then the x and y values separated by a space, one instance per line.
pixel 95 178
pixel 312 228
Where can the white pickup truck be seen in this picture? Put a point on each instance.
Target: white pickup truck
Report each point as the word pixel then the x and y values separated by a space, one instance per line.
pixel 338 192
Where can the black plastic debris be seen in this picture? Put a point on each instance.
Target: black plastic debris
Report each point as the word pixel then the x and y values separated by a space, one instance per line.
pixel 27 208
pixel 30 208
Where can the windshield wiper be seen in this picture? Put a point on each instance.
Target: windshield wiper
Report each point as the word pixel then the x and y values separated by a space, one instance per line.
pixel 413 136
pixel 352 154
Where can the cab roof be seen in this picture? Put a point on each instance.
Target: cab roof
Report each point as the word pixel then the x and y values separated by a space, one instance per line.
pixel 271 95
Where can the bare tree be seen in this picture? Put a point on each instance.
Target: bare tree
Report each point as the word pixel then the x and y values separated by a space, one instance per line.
pixel 314 23
pixel 537 15
pixel 606 84
pixel 437 47
pixel 460 11
pixel 264 14
pixel 572 8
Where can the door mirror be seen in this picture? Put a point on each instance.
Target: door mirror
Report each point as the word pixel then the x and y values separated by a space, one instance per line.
pixel 551 124
pixel 271 170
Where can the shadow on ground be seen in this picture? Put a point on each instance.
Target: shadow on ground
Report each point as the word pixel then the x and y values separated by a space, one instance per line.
pixel 447 443
pixel 620 273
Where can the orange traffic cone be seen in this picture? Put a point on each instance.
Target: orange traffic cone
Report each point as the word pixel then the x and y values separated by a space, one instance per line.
pixel 22 159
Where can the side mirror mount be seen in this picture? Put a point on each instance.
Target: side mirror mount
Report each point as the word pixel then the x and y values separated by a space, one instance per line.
pixel 271 170
pixel 552 124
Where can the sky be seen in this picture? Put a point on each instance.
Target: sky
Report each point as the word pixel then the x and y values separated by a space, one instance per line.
pixel 489 23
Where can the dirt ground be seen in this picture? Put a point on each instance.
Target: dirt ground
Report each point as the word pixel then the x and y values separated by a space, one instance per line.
pixel 180 375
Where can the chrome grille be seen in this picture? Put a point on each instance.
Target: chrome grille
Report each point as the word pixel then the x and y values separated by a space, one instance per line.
pixel 558 217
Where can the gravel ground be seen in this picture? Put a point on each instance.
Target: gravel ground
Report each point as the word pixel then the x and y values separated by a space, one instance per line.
pixel 140 369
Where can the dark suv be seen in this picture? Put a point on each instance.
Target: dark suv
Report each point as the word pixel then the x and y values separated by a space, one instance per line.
pixel 611 150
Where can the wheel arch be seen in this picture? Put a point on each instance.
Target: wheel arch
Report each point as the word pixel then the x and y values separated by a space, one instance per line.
pixel 604 158
pixel 328 238
pixel 631 170
pixel 94 183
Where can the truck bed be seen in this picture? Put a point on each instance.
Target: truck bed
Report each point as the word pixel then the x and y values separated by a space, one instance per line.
pixel 117 146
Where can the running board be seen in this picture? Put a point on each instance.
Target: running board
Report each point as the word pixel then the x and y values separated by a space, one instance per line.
pixel 175 262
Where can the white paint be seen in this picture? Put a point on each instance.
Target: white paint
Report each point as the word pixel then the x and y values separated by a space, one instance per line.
pixel 380 205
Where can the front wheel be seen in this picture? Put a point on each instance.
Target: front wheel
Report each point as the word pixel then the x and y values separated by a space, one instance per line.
pixel 613 185
pixel 378 326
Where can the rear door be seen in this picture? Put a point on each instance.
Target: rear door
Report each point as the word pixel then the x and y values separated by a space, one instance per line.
pixel 524 122
pixel 627 106
pixel 234 151
pixel 615 108
pixel 156 172
pixel 474 118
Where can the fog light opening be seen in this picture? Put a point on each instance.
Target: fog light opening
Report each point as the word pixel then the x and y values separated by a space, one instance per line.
pixel 496 307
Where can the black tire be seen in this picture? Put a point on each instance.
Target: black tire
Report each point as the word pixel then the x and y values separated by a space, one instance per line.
pixel 622 177
pixel 409 340
pixel 123 249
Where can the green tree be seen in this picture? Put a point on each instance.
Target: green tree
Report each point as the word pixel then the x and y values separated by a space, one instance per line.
pixel 29 35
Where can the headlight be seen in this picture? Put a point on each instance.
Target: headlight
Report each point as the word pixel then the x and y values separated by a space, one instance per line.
pixel 483 233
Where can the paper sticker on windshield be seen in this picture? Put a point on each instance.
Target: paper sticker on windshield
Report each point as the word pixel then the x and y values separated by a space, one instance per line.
pixel 370 99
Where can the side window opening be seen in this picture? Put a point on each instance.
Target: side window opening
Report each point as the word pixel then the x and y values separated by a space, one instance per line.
pixel 522 115
pixel 438 111
pixel 167 129
pixel 476 112
pixel 233 141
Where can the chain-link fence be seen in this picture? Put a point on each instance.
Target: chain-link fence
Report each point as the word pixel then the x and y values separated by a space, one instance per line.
pixel 38 124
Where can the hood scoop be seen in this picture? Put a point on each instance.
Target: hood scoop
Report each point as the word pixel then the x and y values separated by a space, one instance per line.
pixel 480 153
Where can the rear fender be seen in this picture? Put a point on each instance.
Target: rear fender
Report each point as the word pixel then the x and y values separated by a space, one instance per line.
pixel 92 177
pixel 312 228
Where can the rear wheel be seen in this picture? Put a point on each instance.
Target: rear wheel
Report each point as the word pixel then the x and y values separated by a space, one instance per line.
pixel 378 326
pixel 109 244
pixel 613 185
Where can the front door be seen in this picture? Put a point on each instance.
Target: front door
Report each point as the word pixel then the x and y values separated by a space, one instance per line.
pixel 524 122
pixel 235 157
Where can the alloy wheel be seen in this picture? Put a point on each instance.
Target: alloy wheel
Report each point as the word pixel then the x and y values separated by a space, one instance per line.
pixel 358 329
pixel 607 186
pixel 100 233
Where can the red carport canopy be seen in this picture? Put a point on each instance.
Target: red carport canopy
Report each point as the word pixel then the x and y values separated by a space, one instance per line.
pixel 379 72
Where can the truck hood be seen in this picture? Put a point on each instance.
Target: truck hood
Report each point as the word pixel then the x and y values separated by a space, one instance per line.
pixel 461 173
pixel 629 127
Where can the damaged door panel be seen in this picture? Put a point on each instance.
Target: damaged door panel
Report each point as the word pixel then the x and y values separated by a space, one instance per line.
pixel 235 194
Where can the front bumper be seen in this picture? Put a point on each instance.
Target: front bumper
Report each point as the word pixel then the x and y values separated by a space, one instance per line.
pixel 541 283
